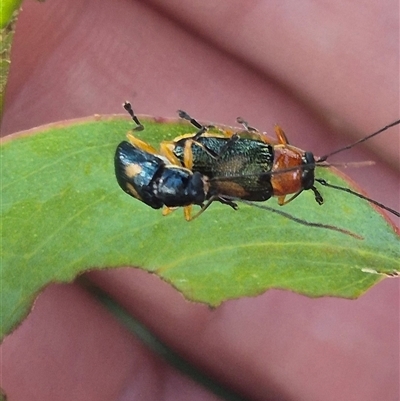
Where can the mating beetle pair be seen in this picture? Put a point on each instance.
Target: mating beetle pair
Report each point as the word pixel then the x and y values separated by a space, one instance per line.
pixel 204 167
pixel 227 166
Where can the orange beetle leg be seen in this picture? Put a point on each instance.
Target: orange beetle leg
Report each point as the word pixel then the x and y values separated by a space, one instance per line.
pixel 187 212
pixel 166 150
pixel 168 210
pixel 141 144
pixel 282 201
pixel 280 134
pixel 188 154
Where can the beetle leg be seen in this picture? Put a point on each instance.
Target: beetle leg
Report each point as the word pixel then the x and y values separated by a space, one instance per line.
pixel 138 143
pixel 253 133
pixel 280 134
pixel 226 201
pixel 168 210
pixel 188 154
pixel 187 212
pixel 228 144
pixel 282 201
pixel 318 197
pixel 203 208
pixel 166 150
pixel 214 198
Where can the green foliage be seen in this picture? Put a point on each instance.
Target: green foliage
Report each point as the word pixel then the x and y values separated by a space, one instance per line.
pixel 7 9
pixel 8 17
pixel 62 213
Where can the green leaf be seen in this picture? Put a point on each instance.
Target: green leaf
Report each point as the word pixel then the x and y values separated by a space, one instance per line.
pixel 62 213
pixel 8 18
pixel 7 10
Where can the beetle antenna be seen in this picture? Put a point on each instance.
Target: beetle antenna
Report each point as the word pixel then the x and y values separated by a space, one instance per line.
pixel 296 219
pixel 323 158
pixel 365 163
pixel 350 191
